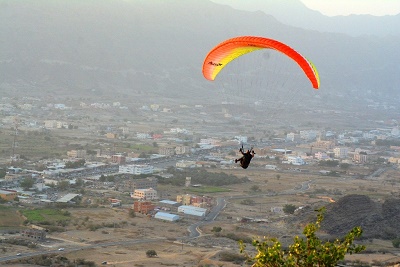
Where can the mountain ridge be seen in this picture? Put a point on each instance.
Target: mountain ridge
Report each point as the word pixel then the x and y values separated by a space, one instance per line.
pixel 126 48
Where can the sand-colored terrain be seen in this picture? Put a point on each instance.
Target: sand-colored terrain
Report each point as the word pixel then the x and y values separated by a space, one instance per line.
pixel 170 239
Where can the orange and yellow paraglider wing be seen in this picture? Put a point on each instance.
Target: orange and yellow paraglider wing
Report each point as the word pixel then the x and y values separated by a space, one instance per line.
pixel 233 48
pixel 315 72
pixel 221 55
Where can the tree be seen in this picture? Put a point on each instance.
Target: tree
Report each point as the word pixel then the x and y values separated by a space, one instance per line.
pixel 143 155
pixel 103 178
pixel 132 213
pixel 305 253
pixel 216 229
pixel 151 253
pixel 289 208
pixel 27 183
pixel 110 178
pixel 255 188
pixel 249 202
pixel 63 185
pixel 396 242
pixel 79 182
pixel 344 166
pixel 2 173
pixel 40 167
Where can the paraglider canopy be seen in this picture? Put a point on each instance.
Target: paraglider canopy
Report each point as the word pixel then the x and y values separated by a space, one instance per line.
pixel 225 52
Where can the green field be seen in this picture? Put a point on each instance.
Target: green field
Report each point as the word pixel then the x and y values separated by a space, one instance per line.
pixel 207 189
pixel 46 215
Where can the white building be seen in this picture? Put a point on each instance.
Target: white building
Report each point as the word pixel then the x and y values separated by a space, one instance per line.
pixel 136 169
pixel 368 135
pixel 185 164
pixel 179 150
pixel 209 141
pixel 179 130
pixel 241 139
pixel 50 124
pixel 143 136
pixel 271 167
pixel 154 107
pixel 145 194
pixel 395 132
pixel 308 135
pixel 192 210
pixel 166 216
pixel 294 161
pixel 321 156
pixel 293 137
pixel 341 152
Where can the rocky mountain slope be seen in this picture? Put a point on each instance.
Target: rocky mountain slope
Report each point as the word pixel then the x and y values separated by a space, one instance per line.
pixel 377 219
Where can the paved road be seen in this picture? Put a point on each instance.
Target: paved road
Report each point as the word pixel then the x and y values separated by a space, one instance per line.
pixel 378 172
pixel 193 229
pixel 221 203
pixel 89 246
pixel 211 216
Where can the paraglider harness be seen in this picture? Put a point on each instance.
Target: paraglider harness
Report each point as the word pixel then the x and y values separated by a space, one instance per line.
pixel 246 158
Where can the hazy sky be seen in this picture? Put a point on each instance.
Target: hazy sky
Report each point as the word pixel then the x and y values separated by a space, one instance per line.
pixel 331 7
pixel 347 7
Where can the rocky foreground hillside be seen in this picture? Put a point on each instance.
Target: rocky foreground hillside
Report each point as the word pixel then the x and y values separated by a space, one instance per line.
pixel 377 219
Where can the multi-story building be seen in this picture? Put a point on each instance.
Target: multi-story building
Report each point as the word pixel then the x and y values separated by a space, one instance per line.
pixel 119 159
pixel 145 194
pixel 321 156
pixel 76 153
pixel 394 160
pixel 361 157
pixel 294 137
pixel 325 145
pixel 136 169
pixel 308 135
pixel 184 199
pixel 143 207
pixel 179 150
pixel 34 234
pixel 201 201
pixel 49 124
pixel 111 135
pixel 294 161
pixel 61 124
pixel 8 195
pixel 143 136
pixel 166 150
pixel 154 107
pixel 198 201
pixel 150 182
pixel 185 164
pixel 341 152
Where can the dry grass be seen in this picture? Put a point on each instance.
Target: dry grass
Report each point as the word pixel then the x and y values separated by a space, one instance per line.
pixel 204 250
pixel 9 218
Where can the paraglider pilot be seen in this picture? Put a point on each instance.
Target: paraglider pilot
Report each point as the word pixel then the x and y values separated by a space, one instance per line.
pixel 246 158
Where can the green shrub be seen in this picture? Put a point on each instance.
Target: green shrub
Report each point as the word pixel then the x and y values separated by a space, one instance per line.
pixel 310 251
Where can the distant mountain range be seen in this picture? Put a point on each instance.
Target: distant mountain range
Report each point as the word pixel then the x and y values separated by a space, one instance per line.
pixel 295 13
pixel 155 49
